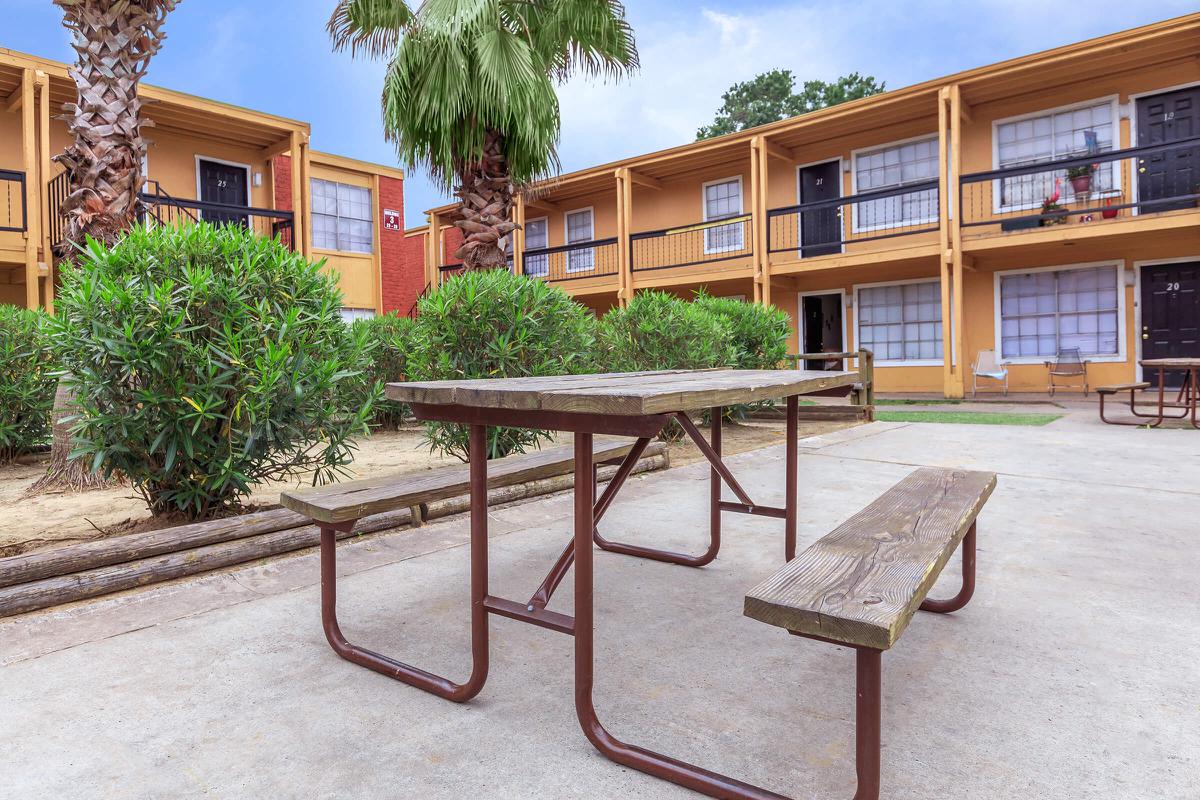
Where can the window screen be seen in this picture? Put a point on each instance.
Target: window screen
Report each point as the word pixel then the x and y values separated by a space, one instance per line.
pixel 890 167
pixel 341 217
pixel 1042 313
pixel 722 201
pixel 903 322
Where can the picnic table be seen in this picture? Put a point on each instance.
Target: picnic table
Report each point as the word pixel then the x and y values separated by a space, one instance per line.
pixel 624 404
pixel 1189 389
pixel 1185 401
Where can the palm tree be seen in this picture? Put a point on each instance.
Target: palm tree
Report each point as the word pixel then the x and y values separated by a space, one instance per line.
pixel 113 42
pixel 469 92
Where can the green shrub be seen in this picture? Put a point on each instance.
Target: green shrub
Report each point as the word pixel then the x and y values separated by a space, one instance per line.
pixel 658 330
pixel 27 381
pixel 495 324
pixel 206 359
pixel 759 333
pixel 391 335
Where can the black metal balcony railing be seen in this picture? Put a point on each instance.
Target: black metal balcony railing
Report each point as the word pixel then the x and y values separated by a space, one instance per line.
pixel 690 245
pixel 164 209
pixel 447 271
pixel 13 214
pixel 821 227
pixel 572 261
pixel 1116 183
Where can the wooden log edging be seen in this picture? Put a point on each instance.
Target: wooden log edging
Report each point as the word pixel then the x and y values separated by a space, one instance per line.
pixel 270 533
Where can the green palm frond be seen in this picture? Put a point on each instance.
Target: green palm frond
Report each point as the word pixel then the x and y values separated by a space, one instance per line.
pixel 374 26
pixel 460 68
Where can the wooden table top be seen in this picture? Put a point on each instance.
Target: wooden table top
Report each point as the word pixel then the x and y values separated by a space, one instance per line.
pixel 1171 363
pixel 622 393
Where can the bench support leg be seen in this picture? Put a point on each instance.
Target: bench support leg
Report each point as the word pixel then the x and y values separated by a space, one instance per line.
pixel 968 580
pixel 434 684
pixel 868 698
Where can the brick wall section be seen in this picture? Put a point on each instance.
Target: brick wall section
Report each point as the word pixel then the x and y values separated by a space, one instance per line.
pixel 452 239
pixel 281 171
pixel 401 261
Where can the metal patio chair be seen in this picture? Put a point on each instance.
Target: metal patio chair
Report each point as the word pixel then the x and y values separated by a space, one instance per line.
pixel 1066 365
pixel 985 366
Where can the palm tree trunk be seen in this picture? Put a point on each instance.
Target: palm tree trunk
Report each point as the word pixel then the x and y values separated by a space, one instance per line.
pixel 113 42
pixel 486 193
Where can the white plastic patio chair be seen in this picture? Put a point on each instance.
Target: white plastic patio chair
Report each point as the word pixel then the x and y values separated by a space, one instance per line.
pixel 985 366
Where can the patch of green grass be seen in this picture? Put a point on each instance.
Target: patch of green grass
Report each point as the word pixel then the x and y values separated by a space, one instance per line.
pixel 909 401
pixel 967 417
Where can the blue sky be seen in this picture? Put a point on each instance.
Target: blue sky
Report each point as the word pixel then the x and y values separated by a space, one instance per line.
pixel 273 55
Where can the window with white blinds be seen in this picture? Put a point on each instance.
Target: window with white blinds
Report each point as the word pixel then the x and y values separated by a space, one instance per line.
pixel 891 167
pixel 1043 313
pixel 901 322
pixel 579 229
pixel 723 200
pixel 341 217
pixel 1050 136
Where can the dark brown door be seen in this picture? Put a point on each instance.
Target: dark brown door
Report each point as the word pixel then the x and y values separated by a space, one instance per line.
pixel 1175 172
pixel 822 316
pixel 225 185
pixel 1170 315
pixel 820 229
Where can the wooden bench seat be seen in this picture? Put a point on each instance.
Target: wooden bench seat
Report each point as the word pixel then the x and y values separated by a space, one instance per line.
pixel 1122 387
pixel 345 502
pixel 861 584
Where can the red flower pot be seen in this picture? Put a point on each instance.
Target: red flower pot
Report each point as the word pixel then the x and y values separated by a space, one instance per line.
pixel 1081 184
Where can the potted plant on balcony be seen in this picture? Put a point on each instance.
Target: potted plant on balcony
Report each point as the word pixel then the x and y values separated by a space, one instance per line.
pixel 1052 212
pixel 1081 177
pixel 1109 212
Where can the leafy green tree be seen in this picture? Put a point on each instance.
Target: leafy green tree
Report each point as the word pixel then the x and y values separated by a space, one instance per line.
pixel 469 92
pixel 771 96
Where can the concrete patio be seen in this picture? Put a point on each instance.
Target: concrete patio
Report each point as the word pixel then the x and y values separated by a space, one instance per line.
pixel 1072 674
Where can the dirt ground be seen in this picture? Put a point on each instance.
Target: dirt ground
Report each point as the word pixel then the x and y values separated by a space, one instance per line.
pixel 36 522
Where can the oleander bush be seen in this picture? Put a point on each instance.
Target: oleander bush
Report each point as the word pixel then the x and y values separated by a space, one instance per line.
pixel 205 359
pixel 493 324
pixel 27 381
pixel 391 336
pixel 658 330
pixel 758 333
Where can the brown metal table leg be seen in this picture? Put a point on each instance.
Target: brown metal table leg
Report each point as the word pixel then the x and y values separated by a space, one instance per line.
pixel 791 474
pixel 868 697
pixel 434 684
pixel 968 580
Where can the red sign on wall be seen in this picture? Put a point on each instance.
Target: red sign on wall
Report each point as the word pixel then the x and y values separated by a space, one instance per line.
pixel 391 219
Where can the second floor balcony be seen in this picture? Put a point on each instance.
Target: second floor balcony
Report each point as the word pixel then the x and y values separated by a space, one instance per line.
pixel 161 208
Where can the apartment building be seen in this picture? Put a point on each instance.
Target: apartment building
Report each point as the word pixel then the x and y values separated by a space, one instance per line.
pixel 206 160
pixel 1040 204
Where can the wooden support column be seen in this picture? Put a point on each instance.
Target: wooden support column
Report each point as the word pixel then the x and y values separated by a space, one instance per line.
pixel 518 236
pixel 761 286
pixel 433 242
pixel 761 221
pixel 29 164
pixel 306 196
pixel 945 252
pixel 957 119
pixel 624 228
pixel 294 156
pixel 44 170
